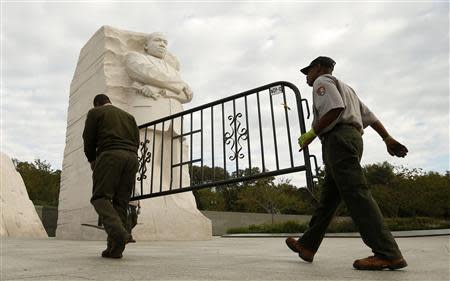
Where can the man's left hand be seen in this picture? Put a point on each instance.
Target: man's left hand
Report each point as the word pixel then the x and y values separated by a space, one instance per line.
pixel 395 148
pixel 305 139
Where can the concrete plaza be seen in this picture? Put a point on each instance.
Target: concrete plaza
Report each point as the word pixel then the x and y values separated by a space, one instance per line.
pixel 217 259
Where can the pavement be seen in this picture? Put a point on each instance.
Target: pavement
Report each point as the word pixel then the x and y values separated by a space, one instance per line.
pixel 216 259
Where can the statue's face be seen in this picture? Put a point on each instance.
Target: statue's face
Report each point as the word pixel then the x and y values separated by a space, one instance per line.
pixel 157 46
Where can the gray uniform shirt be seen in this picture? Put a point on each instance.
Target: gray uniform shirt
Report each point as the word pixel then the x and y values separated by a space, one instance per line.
pixel 330 93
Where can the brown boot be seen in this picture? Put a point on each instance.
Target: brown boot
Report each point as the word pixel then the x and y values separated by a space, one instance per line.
pixel 303 253
pixel 379 263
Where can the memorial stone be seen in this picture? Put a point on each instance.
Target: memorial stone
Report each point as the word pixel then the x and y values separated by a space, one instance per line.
pixel 103 68
pixel 18 216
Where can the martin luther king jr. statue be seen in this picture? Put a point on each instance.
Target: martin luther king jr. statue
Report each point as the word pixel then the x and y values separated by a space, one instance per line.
pixel 160 92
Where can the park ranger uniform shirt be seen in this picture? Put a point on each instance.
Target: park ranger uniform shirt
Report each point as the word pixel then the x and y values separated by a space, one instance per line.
pixel 107 128
pixel 330 93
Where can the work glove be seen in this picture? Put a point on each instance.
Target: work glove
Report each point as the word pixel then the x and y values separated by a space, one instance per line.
pixel 395 148
pixel 306 138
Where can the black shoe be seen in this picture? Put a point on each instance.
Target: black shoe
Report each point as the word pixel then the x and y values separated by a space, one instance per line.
pixel 117 248
pixel 105 253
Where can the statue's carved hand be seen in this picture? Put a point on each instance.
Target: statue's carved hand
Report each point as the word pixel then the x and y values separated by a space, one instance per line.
pixel 187 90
pixel 148 92
pixel 176 90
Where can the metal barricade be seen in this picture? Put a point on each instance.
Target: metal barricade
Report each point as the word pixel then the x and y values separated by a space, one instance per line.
pixel 256 130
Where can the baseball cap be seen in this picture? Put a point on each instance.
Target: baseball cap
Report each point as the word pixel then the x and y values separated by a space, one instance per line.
pixel 325 61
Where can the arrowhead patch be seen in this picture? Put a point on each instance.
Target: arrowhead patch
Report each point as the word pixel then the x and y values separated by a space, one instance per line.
pixel 320 91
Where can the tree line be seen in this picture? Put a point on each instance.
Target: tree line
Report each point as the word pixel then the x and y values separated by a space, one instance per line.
pixel 400 192
pixel 41 181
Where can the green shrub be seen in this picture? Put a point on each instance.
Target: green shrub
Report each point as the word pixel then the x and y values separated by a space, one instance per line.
pixel 418 223
pixel 286 227
pixel 345 225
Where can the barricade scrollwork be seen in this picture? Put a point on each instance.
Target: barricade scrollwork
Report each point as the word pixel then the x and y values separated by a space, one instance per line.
pixel 143 160
pixel 233 139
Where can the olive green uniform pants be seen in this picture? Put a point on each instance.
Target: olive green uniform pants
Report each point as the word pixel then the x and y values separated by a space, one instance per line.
pixel 113 178
pixel 342 149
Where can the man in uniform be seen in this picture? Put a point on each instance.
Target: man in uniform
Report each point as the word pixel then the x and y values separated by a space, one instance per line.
pixel 339 120
pixel 111 141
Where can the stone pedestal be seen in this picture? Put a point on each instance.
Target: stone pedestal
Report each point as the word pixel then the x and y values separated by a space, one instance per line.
pixel 18 215
pixel 101 69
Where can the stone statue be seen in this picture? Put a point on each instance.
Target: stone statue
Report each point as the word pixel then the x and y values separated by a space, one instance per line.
pixel 158 82
pixel 142 77
pixel 160 92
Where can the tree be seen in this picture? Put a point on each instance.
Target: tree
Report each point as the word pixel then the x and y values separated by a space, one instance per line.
pixel 399 192
pixel 409 192
pixel 275 198
pixel 425 194
pixel 41 181
pixel 208 198
pixel 403 192
pixel 206 174
pixel 379 174
pixel 262 195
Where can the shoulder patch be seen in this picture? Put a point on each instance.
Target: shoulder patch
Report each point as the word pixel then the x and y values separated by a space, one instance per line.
pixel 320 91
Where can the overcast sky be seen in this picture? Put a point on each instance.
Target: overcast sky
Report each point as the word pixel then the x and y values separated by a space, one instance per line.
pixel 395 55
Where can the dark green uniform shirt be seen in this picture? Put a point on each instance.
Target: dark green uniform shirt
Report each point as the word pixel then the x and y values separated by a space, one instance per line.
pixel 108 127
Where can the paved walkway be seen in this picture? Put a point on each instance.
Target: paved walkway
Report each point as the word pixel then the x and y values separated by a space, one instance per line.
pixel 218 259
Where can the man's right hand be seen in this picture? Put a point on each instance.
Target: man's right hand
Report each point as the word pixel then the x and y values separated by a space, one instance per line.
pixel 395 148
pixel 305 139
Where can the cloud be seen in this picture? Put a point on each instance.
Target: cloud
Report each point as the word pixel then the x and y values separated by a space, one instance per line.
pixel 395 55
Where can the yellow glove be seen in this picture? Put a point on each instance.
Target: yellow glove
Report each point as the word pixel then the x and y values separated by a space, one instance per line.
pixel 306 138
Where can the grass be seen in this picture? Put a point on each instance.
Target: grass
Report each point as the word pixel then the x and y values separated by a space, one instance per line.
pixel 345 225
